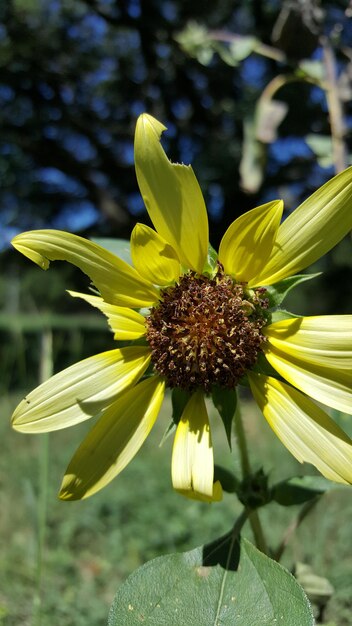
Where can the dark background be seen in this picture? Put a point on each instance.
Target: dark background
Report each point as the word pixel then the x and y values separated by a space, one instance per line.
pixel 250 93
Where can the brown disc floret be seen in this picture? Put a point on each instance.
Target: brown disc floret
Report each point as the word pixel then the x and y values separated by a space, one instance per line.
pixel 206 331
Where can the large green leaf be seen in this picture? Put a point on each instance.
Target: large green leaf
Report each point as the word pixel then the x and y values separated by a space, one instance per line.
pixel 227 583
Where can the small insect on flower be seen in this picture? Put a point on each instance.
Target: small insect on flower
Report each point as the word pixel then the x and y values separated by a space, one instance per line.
pixel 212 321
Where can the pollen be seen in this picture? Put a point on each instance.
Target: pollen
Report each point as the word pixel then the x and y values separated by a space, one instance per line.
pixel 206 331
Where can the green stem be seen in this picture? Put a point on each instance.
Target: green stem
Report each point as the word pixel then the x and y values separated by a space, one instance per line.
pixel 254 519
pixel 41 521
pixel 257 531
pixel 46 366
pixel 242 443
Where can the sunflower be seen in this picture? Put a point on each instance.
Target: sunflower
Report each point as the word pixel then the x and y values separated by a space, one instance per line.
pixel 198 321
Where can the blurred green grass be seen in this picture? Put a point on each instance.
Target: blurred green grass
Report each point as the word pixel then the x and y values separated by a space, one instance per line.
pixel 92 546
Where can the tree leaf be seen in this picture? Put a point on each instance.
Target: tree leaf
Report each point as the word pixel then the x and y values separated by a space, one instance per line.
pixel 120 247
pixel 300 489
pixel 252 165
pixel 321 145
pixel 224 583
pixel 269 115
pixel 278 292
pixel 225 401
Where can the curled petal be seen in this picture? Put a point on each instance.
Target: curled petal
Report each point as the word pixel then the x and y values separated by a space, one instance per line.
pixel 172 196
pixel 118 282
pixel 248 242
pixel 114 440
pixel 323 382
pixel 306 431
pixel 153 257
pixel 125 323
pixel 192 456
pixel 80 391
pixel 311 230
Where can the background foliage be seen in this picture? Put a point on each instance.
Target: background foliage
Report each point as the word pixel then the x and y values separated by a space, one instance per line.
pixel 247 92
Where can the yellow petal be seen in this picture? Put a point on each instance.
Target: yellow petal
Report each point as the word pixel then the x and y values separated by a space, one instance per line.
pixel 192 456
pixel 118 282
pixel 248 242
pixel 172 196
pixel 125 323
pixel 306 431
pixel 153 257
pixel 114 440
pixel 311 230
pixel 323 340
pixel 328 385
pixel 195 495
pixel 80 391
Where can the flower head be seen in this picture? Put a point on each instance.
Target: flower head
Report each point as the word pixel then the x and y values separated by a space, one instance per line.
pixel 202 321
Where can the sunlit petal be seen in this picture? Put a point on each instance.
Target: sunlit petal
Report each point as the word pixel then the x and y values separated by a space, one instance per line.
pixel 172 196
pixel 118 282
pixel 192 456
pixel 153 257
pixel 125 323
pixel 329 385
pixel 321 340
pixel 311 230
pixel 306 431
pixel 114 440
pixel 248 242
pixel 80 391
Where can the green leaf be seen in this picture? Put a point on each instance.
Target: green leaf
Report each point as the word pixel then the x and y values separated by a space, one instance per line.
pixel 314 69
pixel 278 292
pixel 194 40
pixel 225 401
pixel 179 399
pixel 300 489
pixel 227 479
pixel 168 432
pixel 120 247
pixel 321 145
pixel 281 314
pixel 228 582
pixel 242 46
pixel 210 266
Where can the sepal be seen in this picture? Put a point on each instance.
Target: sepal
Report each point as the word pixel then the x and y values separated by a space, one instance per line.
pixel 278 292
pixel 225 401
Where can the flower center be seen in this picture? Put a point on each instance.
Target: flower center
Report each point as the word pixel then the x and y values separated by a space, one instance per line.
pixel 206 331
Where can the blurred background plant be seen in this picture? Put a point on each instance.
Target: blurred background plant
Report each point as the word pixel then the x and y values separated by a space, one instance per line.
pixel 257 96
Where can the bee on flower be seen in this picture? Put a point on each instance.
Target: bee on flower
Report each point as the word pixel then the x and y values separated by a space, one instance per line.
pixel 203 321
